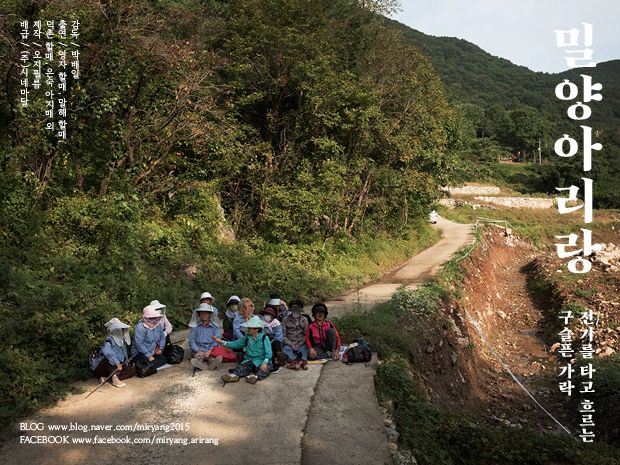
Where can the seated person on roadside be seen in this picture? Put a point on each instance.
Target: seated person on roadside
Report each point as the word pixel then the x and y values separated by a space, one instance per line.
pixel 256 364
pixel 232 310
pixel 164 319
pixel 294 328
pixel 246 310
pixel 201 337
pixel 322 337
pixel 114 357
pixel 273 330
pixel 149 337
pixel 278 305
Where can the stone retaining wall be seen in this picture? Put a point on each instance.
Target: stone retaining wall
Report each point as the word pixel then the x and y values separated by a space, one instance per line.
pixel 473 190
pixel 519 202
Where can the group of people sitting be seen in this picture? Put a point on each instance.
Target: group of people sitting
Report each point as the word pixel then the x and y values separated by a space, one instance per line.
pixel 259 343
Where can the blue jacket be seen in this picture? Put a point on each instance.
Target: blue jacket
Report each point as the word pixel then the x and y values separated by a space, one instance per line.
pixel 144 340
pixel 113 352
pixel 200 337
pixel 274 333
pixel 238 331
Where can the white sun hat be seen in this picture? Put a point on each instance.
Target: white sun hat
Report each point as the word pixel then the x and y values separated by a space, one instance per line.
pixel 233 298
pixel 157 304
pixel 115 323
pixel 206 295
pixel 151 312
pixel 193 322
pixel 116 329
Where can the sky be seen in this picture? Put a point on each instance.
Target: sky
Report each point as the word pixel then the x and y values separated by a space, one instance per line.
pixel 519 30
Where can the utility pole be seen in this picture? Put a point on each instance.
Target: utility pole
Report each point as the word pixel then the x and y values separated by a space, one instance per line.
pixel 539 152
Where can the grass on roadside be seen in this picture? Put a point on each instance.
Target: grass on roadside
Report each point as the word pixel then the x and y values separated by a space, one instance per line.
pixel 399 330
pixel 540 226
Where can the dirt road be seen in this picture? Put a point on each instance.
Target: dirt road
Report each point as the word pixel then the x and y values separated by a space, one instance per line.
pixel 328 414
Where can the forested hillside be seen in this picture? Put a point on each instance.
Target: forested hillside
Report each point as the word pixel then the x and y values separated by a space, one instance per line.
pixel 241 146
pixel 512 107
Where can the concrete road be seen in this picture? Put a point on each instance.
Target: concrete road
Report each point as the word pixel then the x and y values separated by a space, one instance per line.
pixel 410 274
pixel 345 425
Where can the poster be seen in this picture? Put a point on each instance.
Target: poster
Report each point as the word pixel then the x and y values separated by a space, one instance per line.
pixel 303 232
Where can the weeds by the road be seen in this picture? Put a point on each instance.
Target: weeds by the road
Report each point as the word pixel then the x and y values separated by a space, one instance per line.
pixel 540 226
pixel 405 331
pixel 439 436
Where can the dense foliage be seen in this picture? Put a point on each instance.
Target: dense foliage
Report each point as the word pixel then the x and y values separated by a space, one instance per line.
pixel 512 108
pixel 239 146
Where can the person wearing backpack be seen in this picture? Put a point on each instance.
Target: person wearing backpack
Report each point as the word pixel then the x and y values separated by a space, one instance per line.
pixel 256 364
pixel 294 328
pixel 113 355
pixel 322 338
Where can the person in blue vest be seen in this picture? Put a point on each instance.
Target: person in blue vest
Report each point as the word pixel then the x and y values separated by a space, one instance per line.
pixel 201 338
pixel 149 338
pixel 256 364
pixel 113 356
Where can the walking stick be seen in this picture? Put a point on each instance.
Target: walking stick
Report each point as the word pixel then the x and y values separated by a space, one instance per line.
pixel 126 362
pixel 104 381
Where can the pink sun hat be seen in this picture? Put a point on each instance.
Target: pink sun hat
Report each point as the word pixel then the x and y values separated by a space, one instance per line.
pixel 151 312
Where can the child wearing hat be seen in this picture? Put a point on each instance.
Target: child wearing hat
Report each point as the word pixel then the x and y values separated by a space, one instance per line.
pixel 206 298
pixel 256 364
pixel 113 357
pixel 294 328
pixel 201 338
pixel 322 337
pixel 149 338
pixel 273 330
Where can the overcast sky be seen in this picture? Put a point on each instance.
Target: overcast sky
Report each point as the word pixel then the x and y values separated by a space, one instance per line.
pixel 519 30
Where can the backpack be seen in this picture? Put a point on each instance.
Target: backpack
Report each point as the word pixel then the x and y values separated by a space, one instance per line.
pixel 144 368
pixel 95 359
pixel 358 352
